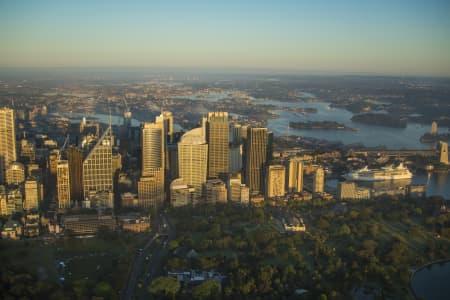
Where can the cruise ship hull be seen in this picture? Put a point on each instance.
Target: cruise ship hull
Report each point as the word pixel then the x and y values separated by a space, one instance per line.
pixel 377 178
pixel 384 174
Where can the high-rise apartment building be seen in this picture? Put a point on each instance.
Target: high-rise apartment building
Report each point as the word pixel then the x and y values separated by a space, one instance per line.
pixel 295 175
pixel 63 184
pixel 193 160
pixel 256 151
pixel 319 181
pixel 217 136
pixel 97 173
pixel 275 181
pixel 7 140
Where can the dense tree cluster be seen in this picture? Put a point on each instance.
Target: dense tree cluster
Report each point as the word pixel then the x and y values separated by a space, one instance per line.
pixel 371 243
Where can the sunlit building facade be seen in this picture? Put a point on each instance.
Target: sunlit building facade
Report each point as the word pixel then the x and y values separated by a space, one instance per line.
pixel 63 184
pixel 32 193
pixel 97 173
pixel 295 175
pixel 217 136
pixel 193 160
pixel 7 140
pixel 256 158
pixel 275 181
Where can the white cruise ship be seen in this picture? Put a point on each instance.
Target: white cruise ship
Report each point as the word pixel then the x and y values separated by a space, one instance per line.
pixel 386 173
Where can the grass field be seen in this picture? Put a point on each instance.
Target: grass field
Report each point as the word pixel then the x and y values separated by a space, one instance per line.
pixel 91 259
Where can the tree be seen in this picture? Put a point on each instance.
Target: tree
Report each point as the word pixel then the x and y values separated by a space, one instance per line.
pixel 265 275
pixel 344 230
pixel 103 289
pixel 209 289
pixel 166 287
pixel 172 245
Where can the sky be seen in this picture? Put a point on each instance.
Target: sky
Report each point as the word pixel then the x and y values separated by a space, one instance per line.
pixel 401 37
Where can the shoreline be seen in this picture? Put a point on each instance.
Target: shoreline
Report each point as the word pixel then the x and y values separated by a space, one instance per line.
pixel 444 261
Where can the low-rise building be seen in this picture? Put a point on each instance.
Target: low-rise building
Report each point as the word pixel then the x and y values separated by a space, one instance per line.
pixel 129 200
pixel 31 228
pixel 416 190
pixel 134 222
pixel 87 224
pixel 350 191
pixel 12 230
pixel 215 191
pixel 292 223
pixel 181 194
pixel 195 276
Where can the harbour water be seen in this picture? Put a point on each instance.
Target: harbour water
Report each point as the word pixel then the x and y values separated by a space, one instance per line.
pixel 368 135
pixel 431 282
pixel 392 138
pixel 438 184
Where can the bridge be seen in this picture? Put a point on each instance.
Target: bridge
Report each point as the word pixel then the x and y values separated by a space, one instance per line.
pixel 397 153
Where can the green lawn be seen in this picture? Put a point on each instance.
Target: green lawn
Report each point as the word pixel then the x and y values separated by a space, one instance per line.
pixel 92 258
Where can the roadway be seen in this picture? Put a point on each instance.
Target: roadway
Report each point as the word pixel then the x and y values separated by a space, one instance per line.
pixel 147 262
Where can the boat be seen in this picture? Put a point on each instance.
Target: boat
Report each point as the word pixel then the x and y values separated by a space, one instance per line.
pixel 382 174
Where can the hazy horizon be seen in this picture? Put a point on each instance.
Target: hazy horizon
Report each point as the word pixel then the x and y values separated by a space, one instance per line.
pixel 393 38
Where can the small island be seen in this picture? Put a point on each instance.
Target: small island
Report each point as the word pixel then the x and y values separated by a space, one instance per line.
pixel 327 125
pixel 429 138
pixel 380 120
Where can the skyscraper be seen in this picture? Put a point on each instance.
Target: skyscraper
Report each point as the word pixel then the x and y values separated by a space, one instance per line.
pixel 151 184
pixel 166 118
pixel 275 181
pixel 153 141
pixel 217 137
pixel 236 158
pixel 444 153
pixel 319 181
pixel 434 128
pixel 32 193
pixel 98 174
pixel 7 140
pixel 255 158
pixel 75 158
pixel 295 176
pixel 193 160
pixel 15 174
pixel 63 184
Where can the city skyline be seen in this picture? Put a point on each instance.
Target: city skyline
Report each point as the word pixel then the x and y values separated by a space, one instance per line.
pixel 401 38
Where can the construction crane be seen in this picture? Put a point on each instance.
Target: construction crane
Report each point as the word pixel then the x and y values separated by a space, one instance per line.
pixel 63 147
pixel 126 104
